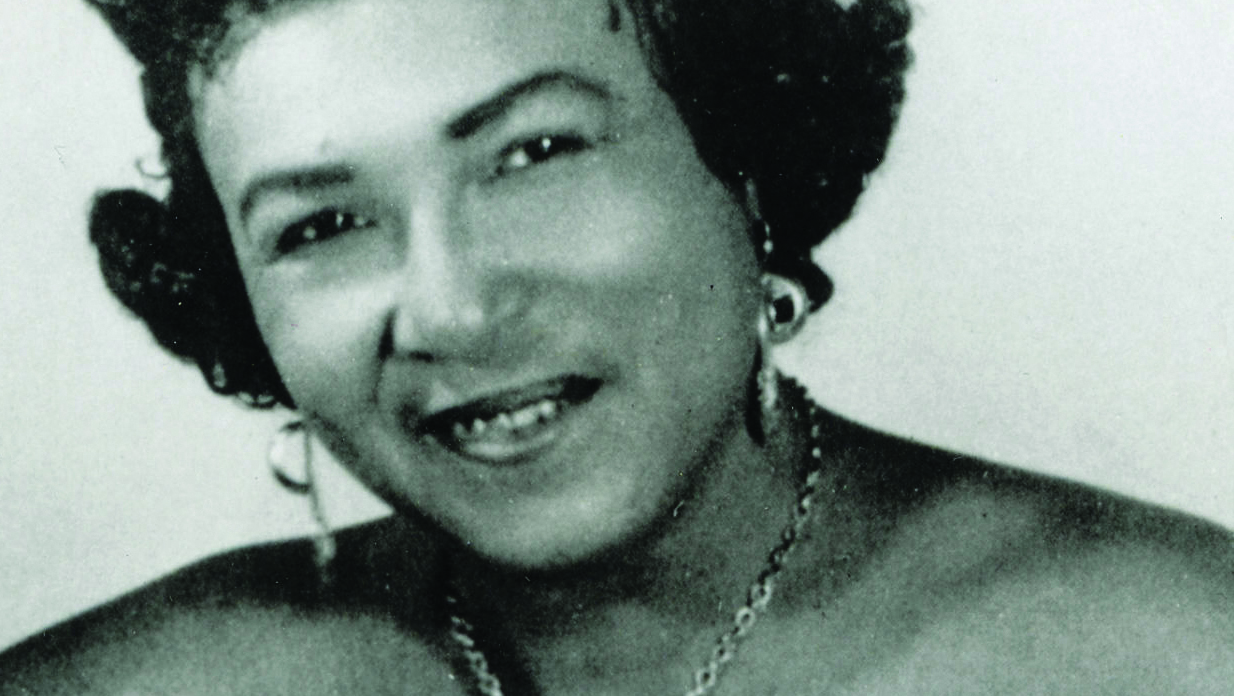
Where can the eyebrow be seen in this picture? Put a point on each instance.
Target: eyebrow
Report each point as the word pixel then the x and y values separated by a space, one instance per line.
pixel 293 179
pixel 500 105
pixel 483 115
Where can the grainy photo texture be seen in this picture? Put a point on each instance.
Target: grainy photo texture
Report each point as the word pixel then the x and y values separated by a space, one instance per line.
pixel 540 347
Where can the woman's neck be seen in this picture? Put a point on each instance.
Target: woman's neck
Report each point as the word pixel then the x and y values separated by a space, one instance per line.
pixel 662 598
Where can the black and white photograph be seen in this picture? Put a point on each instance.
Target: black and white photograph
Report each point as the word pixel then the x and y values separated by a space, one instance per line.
pixel 616 347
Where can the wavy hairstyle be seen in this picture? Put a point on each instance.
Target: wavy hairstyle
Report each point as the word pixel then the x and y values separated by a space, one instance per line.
pixel 795 97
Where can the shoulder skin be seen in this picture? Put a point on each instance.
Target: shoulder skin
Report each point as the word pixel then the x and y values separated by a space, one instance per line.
pixel 254 621
pixel 992 581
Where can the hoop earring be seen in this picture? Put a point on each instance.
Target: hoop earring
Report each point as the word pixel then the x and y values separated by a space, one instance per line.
pixel 324 546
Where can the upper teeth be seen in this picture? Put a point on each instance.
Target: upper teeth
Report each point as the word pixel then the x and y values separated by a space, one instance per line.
pixel 509 421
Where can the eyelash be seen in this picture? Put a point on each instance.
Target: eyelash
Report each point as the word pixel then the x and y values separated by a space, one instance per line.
pixel 539 149
pixel 319 227
pixel 329 223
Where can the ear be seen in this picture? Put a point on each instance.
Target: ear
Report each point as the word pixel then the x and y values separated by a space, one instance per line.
pixel 760 231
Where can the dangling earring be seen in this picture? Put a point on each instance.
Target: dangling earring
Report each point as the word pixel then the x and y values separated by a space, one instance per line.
pixel 323 542
pixel 784 312
pixel 768 382
pixel 785 305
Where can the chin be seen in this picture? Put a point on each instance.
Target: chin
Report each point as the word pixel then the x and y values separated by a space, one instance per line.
pixel 600 545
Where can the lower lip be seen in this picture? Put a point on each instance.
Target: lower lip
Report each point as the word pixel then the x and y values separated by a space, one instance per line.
pixel 511 448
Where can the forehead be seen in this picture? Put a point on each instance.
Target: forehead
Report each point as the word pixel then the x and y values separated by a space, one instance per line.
pixel 289 80
pixel 246 19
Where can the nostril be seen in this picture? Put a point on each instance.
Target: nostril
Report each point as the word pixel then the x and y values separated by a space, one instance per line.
pixel 476 318
pixel 421 356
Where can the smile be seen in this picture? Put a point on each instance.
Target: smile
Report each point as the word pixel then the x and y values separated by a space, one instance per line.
pixel 509 425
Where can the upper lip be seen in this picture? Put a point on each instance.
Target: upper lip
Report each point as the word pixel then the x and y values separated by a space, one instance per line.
pixel 488 404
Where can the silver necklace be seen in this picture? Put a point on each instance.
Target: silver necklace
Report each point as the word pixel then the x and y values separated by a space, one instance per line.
pixel 757 599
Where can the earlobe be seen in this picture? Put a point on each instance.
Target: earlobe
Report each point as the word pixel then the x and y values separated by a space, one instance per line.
pixel 785 300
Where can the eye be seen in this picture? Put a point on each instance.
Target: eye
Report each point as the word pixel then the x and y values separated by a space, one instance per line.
pixel 538 150
pixel 319 227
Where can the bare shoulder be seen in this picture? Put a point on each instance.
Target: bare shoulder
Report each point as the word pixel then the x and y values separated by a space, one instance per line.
pixel 1132 600
pixel 993 581
pixel 255 620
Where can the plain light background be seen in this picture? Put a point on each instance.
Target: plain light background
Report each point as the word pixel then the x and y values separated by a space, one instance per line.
pixel 1042 274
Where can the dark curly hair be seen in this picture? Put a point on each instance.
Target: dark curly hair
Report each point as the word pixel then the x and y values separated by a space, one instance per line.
pixel 796 97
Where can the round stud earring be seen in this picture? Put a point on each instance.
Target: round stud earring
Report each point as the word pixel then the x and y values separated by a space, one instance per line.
pixel 786 305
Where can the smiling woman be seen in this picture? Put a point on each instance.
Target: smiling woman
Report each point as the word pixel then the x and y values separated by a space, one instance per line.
pixel 522 267
pixel 498 272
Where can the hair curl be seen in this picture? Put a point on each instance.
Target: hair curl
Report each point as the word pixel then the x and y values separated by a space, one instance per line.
pixel 796 97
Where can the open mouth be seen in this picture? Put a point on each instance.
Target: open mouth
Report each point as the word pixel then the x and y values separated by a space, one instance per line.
pixel 510 424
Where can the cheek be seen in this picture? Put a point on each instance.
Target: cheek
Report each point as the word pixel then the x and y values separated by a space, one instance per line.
pixel 321 339
pixel 653 218
pixel 683 238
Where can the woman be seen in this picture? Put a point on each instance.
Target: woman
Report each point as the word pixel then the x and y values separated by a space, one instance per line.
pixel 521 266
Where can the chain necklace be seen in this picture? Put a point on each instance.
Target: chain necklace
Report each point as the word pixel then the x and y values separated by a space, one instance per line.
pixel 757 599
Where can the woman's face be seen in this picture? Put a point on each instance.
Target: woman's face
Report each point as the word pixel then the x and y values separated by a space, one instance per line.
pixel 488 263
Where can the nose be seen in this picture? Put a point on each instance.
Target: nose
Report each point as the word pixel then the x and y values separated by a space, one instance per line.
pixel 454 297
